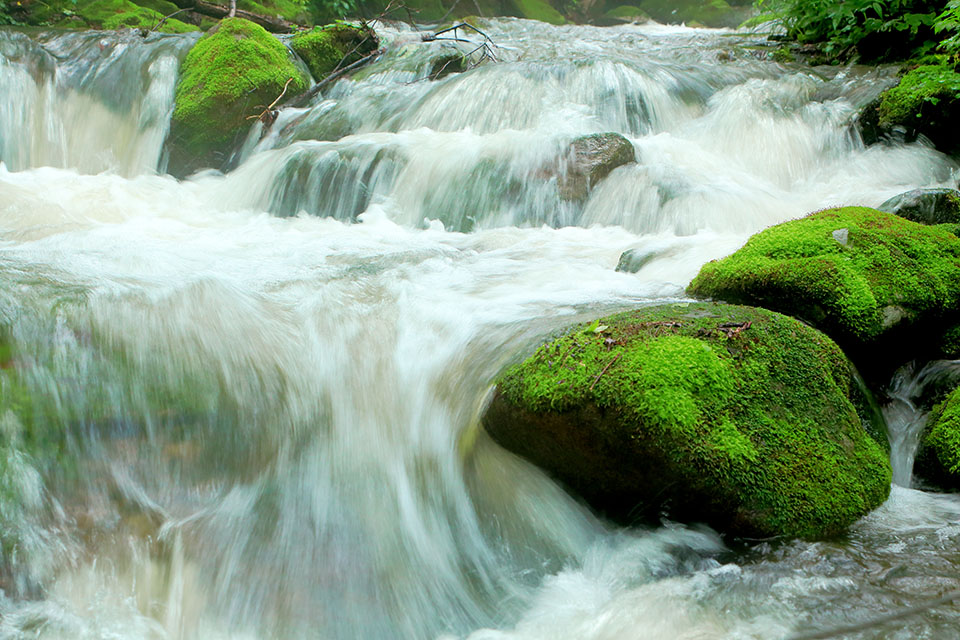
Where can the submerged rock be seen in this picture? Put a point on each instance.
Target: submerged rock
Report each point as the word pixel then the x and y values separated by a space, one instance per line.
pixel 926 102
pixel 591 159
pixel 734 416
pixel 926 206
pixel 886 293
pixel 231 74
pixel 324 49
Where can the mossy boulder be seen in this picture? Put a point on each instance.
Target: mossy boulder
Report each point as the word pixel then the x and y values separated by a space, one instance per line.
pixel 926 206
pixel 118 14
pixel 324 49
pixel 925 102
pixel 883 287
pixel 734 416
pixel 589 160
pixel 232 73
pixel 938 457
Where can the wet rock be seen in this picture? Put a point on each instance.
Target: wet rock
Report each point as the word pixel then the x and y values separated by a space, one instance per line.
pixel 926 206
pixel 926 102
pixel 886 296
pixel 734 416
pixel 591 159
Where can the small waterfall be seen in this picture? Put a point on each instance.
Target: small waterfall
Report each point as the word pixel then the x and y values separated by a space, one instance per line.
pixel 93 101
pixel 911 394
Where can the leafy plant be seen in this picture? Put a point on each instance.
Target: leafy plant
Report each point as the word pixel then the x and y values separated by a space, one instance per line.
pixel 949 22
pixel 891 28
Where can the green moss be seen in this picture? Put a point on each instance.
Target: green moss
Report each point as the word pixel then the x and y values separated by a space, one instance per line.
pixel 538 10
pixel 890 271
pixel 117 14
pixel 737 416
pixel 938 458
pixel 920 86
pixel 324 49
pixel 232 73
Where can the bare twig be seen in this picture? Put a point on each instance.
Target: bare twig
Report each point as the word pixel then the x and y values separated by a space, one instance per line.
pixel 315 89
pixel 599 375
pixel 265 116
pixel 165 18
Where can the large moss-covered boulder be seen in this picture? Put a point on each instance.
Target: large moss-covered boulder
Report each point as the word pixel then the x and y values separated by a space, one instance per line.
pixel 734 416
pixel 938 457
pixel 925 102
pixel 325 49
pixel 883 287
pixel 231 74
pixel 589 160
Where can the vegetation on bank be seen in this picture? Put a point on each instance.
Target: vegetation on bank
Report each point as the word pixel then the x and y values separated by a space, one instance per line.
pixel 736 416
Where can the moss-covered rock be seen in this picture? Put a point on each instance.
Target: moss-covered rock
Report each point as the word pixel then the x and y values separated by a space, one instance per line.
pixel 589 160
pixel 926 206
pixel 118 14
pixel 881 286
pixel 938 457
pixel 925 102
pixel 325 49
pixel 231 74
pixel 734 416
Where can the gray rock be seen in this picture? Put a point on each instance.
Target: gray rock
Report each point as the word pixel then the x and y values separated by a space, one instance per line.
pixel 590 160
pixel 926 206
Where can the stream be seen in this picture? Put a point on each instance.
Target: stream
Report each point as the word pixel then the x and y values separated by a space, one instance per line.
pixel 262 388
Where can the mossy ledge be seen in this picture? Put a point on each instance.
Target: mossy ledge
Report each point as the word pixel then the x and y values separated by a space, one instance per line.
pixel 883 287
pixel 734 416
pixel 232 73
pixel 323 49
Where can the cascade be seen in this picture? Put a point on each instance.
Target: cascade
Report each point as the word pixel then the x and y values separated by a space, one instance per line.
pixel 254 396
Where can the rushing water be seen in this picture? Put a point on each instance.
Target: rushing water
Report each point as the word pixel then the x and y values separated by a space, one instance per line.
pixel 262 389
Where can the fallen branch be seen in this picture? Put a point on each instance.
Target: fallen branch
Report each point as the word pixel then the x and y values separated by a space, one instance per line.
pixel 213 10
pixel 315 89
pixel 165 18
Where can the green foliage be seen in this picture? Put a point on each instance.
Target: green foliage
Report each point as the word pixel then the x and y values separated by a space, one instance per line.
pixel 6 11
pixel 897 28
pixel 948 23
pixel 888 267
pixel 745 412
